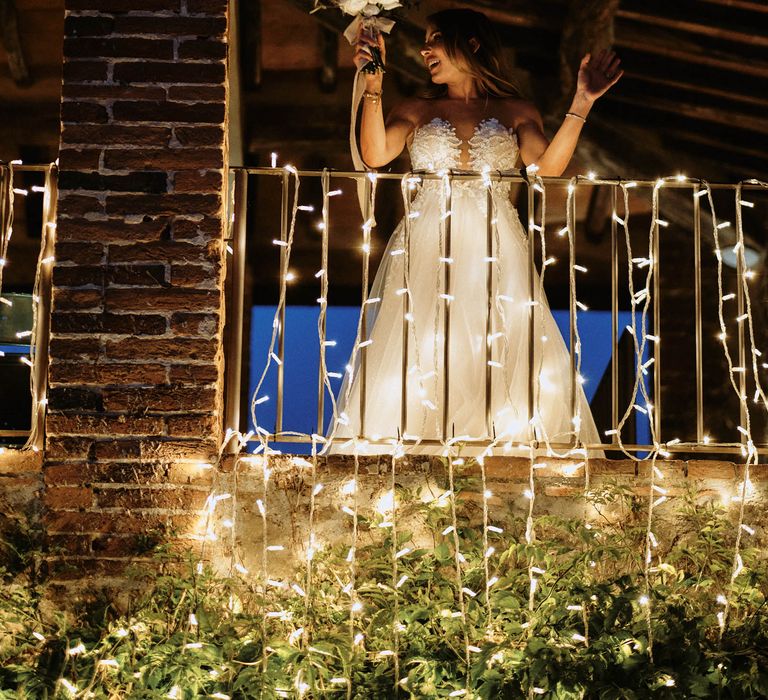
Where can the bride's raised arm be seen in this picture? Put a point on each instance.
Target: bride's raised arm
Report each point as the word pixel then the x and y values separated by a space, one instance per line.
pixel 380 142
pixel 596 76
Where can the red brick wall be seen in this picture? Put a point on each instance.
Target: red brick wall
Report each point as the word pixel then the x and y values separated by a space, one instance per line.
pixel 135 375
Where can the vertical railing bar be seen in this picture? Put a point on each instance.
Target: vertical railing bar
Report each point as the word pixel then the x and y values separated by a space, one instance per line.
pixel 698 312
pixel 43 326
pixel 531 308
pixel 364 308
pixel 614 317
pixel 281 320
pixel 740 311
pixel 447 307
pixel 323 306
pixel 235 332
pixel 572 306
pixel 406 312
pixel 657 328
pixel 489 312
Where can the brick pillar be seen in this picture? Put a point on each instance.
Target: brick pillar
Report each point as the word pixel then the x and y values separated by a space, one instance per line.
pixel 136 364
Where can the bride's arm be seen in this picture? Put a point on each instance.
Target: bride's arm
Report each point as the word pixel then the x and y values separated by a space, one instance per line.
pixel 552 158
pixel 380 142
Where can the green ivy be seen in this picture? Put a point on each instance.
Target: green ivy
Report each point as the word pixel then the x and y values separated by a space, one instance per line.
pixel 236 651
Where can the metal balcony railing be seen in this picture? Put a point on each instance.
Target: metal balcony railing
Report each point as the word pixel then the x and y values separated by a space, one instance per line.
pixel 25 312
pixel 638 393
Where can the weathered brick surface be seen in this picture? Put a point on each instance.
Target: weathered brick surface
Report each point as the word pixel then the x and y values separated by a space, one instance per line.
pixel 135 376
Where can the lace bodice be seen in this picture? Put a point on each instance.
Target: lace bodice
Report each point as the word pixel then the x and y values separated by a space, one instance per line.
pixel 435 146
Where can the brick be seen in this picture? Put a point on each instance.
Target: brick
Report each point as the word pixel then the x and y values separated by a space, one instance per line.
pixel 186 229
pixel 118 449
pixel 87 25
pixel 194 276
pixel 79 158
pixel 119 6
pixel 193 374
pixel 194 324
pixel 163 159
pixel 170 251
pixel 106 374
pixel 202 49
pixel 166 204
pixel 112 134
pixel 192 426
pixel 77 47
pixel 146 111
pixel 171 26
pixel 89 91
pixel 68 544
pixel 63 398
pixel 170 349
pixel 168 398
pixel 103 425
pixel 128 523
pixel 166 499
pixel 81 253
pixel 212 7
pixel 135 182
pixel 154 72
pixel 197 93
pixel 137 275
pixel 143 324
pixel 80 299
pixel 78 276
pixel 83 112
pixel 74 71
pixel 75 348
pixel 67 447
pixel 113 230
pixel 197 181
pixel 67 497
pixel 121 545
pixel 199 135
pixel 78 204
pixel 133 472
pixel 170 299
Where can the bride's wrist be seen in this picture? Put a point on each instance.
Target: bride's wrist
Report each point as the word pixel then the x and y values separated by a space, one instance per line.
pixel 581 104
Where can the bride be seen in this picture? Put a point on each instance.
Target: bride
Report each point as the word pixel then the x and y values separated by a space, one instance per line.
pixel 474 119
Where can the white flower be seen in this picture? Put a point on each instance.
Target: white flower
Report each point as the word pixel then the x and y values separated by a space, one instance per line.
pixel 389 4
pixel 353 7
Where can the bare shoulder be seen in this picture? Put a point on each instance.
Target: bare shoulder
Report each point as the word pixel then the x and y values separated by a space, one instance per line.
pixel 410 111
pixel 521 112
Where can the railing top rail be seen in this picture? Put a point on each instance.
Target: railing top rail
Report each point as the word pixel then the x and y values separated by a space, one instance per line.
pixel 507 176
pixel 23 168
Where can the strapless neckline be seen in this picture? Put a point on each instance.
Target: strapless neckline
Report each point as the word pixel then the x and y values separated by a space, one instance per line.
pixel 436 146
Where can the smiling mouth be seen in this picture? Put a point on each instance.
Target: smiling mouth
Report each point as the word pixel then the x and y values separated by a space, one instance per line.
pixel 433 64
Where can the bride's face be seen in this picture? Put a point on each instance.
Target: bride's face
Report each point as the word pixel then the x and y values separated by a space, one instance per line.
pixel 440 67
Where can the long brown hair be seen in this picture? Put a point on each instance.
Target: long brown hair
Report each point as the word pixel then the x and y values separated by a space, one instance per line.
pixel 485 62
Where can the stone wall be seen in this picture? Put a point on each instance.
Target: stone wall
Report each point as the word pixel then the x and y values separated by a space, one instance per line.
pixel 136 348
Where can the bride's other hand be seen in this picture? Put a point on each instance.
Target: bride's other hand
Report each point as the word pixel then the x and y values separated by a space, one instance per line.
pixel 598 73
pixel 363 48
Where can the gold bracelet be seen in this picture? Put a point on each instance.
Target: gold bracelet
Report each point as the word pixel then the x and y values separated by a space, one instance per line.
pixel 374 97
pixel 578 116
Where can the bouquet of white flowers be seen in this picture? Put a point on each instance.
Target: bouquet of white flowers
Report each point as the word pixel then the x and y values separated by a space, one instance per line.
pixel 371 16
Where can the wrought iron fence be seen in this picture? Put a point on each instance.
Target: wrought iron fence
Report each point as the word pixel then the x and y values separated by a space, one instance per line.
pixel 719 252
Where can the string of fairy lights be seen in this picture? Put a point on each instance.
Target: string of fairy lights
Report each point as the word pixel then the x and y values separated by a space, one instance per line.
pixel 224 493
pixel 641 304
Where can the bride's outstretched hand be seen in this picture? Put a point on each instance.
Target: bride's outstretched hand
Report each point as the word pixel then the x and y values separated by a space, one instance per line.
pixel 598 73
pixel 364 45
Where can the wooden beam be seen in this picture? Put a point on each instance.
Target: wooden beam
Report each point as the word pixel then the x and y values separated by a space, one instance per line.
pixel 754 39
pixel 698 87
pixel 11 40
pixel 740 5
pixel 710 114
pixel 647 43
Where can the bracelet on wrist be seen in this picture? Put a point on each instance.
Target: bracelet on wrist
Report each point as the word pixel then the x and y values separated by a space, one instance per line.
pixel 374 97
pixel 578 116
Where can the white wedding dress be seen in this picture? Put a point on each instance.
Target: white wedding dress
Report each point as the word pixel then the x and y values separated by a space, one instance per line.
pixel 435 147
